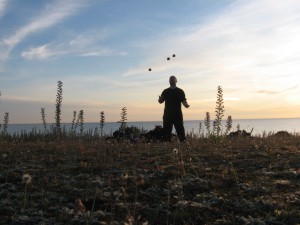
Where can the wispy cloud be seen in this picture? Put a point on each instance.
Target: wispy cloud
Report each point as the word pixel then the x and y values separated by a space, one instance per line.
pixel 3 49
pixel 250 45
pixel 108 82
pixel 236 44
pixel 86 44
pixel 56 50
pixel 50 16
pixel 247 47
pixel 269 92
pixel 41 52
pixel 3 4
pixel 272 92
pixel 237 50
pixel 104 52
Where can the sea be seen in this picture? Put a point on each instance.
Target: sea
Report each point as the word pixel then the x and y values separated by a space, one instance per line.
pixel 256 126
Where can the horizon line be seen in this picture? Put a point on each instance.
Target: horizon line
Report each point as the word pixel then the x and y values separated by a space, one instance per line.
pixel 149 121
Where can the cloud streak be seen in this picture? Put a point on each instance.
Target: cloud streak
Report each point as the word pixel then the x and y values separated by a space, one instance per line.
pixel 50 16
pixel 237 47
pixel 51 51
pixel 87 44
pixel 41 52
pixel 3 4
pixel 272 92
pixel 247 47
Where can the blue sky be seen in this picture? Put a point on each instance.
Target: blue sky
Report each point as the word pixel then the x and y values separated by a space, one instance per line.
pixel 101 51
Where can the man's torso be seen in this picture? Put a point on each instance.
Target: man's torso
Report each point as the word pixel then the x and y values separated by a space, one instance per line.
pixel 173 99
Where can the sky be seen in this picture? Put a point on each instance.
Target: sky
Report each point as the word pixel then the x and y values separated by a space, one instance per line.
pixel 102 49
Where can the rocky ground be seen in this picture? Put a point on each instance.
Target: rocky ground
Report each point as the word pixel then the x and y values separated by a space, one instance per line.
pixel 237 181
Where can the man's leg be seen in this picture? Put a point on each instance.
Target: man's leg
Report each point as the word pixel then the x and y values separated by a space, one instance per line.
pixel 180 129
pixel 168 125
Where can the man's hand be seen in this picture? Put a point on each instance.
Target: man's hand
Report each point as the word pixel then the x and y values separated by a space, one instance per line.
pixel 186 105
pixel 160 99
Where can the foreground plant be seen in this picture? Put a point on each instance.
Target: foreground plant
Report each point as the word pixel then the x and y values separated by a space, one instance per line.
pixel 123 119
pixel 102 121
pixel 73 120
pixel 80 120
pixel 219 110
pixel 44 118
pixel 228 124
pixel 58 104
pixel 5 123
pixel 0 124
pixel 26 179
pixel 216 134
pixel 207 123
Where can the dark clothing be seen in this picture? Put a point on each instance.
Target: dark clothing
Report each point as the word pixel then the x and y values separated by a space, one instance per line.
pixel 172 114
pixel 173 99
pixel 168 126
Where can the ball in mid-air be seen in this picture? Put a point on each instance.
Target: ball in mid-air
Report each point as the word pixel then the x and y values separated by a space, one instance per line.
pixel 174 55
pixel 149 69
pixel 168 58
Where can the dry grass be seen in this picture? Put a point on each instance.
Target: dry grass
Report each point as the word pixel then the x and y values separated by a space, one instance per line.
pixel 239 181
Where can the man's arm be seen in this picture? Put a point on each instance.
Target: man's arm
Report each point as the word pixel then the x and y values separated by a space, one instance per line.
pixel 183 100
pixel 161 99
pixel 186 105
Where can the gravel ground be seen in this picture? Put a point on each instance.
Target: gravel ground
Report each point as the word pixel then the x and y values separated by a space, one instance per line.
pixel 238 181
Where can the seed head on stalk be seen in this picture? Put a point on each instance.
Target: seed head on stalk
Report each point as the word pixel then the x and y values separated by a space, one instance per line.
pixel 26 179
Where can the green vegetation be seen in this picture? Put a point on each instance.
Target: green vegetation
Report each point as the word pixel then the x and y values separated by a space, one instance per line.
pixel 44 118
pixel 80 121
pixel 219 110
pixel 5 123
pixel 102 123
pixel 228 124
pixel 3 127
pixel 73 120
pixel 58 105
pixel 207 123
pixel 123 119
pixel 217 133
pixel 57 131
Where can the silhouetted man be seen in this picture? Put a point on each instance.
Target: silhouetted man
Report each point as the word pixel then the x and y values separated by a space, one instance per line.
pixel 173 97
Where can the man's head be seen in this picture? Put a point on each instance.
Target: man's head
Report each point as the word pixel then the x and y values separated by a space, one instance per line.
pixel 173 81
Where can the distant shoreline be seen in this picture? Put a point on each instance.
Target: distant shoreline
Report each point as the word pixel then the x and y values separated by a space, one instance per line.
pixel 159 121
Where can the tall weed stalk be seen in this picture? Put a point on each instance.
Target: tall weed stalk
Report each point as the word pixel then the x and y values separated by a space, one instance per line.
pixel 5 123
pixel 219 110
pixel 228 124
pixel 73 120
pixel 81 121
pixel 123 119
pixel 102 122
pixel 216 133
pixel 207 123
pixel 58 105
pixel 43 114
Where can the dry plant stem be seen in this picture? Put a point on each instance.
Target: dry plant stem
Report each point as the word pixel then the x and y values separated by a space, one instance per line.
pixel 168 205
pixel 135 199
pixel 194 169
pixel 24 200
pixel 182 164
pixel 126 205
pixel 235 176
pixel 85 218
pixel 94 200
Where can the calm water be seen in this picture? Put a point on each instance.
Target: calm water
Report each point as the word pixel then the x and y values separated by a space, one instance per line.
pixel 258 125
